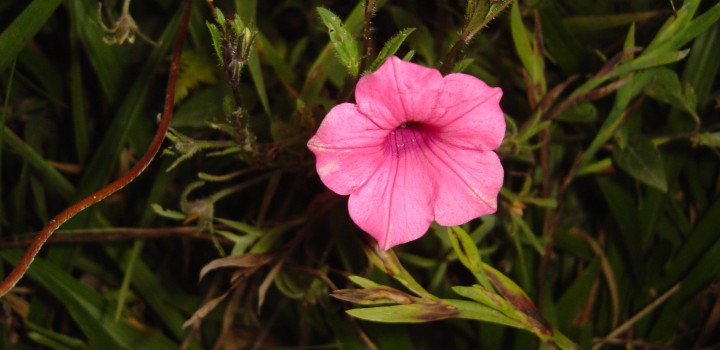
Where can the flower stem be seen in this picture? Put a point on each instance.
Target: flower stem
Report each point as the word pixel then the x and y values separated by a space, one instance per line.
pixel 367 39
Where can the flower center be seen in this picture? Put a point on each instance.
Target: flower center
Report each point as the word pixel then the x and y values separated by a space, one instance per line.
pixel 408 137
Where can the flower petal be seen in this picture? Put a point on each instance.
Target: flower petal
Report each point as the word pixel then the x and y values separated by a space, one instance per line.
pixel 468 182
pixel 394 206
pixel 348 148
pixel 468 113
pixel 398 92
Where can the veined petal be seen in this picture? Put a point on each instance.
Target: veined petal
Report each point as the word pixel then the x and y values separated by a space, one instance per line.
pixel 468 113
pixel 348 148
pixel 395 205
pixel 398 92
pixel 468 182
pixel 416 147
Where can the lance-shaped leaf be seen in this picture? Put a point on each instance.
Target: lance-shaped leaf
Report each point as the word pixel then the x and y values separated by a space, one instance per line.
pixel 363 282
pixel 410 313
pixel 468 254
pixel 710 139
pixel 519 300
pixel 374 296
pixel 641 160
pixel 482 296
pixel 388 262
pixel 345 44
pixel 390 48
pixel 251 261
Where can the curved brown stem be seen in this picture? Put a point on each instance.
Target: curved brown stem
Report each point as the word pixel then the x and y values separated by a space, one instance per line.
pixel 19 270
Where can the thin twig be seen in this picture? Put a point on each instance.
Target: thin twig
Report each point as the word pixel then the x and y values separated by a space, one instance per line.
pixel 646 310
pixel 22 266
pixel 607 271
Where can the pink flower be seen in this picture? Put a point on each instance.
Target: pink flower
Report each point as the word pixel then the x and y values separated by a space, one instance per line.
pixel 416 147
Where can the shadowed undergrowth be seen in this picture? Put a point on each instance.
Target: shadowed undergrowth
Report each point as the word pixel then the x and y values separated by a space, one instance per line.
pixel 608 218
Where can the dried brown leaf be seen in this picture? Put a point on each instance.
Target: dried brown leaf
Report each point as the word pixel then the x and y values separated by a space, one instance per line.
pixel 239 261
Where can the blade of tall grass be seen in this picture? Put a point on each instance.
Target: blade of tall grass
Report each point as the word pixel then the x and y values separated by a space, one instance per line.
pixel 77 102
pixel 623 209
pixel 51 175
pixel 46 73
pixel 3 117
pixel 282 69
pixel 87 308
pixel 100 55
pixel 140 276
pixel 106 154
pixel 703 64
pixel 23 28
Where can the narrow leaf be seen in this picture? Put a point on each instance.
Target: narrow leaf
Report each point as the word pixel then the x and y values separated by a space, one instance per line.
pixel 410 313
pixel 391 46
pixel 23 28
pixel 346 46
pixel 641 160
pixel 238 261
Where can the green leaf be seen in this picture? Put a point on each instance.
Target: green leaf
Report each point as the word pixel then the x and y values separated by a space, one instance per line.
pixel 100 55
pixel 580 113
pixel 275 59
pixel 346 47
pixel 246 9
pixel 422 41
pixel 475 311
pixel 390 47
pixel 703 64
pixel 482 296
pixel 600 23
pixel 258 80
pixel 363 282
pixel 679 30
pixel 525 47
pixel 643 161
pixel 409 313
pixel 54 178
pixel 53 339
pixel 468 254
pixel 242 227
pixel 216 41
pixel 88 308
pixel 78 100
pixel 561 42
pixel 201 108
pixel 462 65
pixel 373 296
pixel 168 213
pixel 195 68
pixel 649 60
pixel 325 64
pixel 574 297
pixel 666 87
pixel 14 37
pixel 710 139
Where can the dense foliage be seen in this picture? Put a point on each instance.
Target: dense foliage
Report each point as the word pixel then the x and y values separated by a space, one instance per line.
pixel 608 218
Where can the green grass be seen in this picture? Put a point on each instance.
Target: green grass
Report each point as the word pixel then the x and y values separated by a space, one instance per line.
pixel 611 195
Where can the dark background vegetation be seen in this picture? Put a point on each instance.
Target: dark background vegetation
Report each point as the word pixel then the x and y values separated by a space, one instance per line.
pixel 595 238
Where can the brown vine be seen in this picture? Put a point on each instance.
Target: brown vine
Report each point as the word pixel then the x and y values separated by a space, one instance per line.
pixel 22 266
